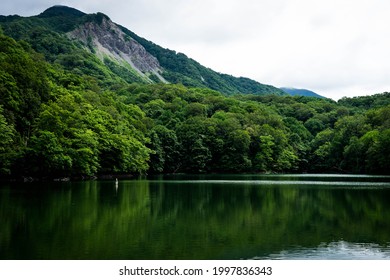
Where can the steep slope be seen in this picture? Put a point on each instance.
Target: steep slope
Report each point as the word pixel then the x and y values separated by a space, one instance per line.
pixel 92 44
pixel 108 41
pixel 181 69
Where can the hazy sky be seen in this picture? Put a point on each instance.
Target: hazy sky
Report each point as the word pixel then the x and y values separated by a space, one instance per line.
pixel 334 47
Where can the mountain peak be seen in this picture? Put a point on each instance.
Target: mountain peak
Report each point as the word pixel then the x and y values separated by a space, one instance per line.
pixel 60 10
pixel 66 18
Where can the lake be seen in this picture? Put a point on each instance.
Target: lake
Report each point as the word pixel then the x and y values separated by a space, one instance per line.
pixel 198 217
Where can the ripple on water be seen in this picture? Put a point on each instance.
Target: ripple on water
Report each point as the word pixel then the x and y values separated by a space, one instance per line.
pixel 340 250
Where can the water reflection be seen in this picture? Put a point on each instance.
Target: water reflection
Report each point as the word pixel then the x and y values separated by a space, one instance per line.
pixel 229 217
pixel 340 250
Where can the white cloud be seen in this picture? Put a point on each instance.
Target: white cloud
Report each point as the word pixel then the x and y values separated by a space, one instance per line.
pixel 334 47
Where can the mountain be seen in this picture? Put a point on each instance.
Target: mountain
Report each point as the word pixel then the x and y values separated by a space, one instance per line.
pixel 301 92
pixel 82 97
pixel 92 44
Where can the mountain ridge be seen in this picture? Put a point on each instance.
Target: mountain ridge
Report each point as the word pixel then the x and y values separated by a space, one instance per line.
pixel 301 92
pixel 156 64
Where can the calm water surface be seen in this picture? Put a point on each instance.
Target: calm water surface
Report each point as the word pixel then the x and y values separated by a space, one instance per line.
pixel 199 217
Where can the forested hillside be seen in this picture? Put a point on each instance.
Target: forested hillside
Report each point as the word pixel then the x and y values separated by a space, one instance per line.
pixel 65 114
pixel 78 42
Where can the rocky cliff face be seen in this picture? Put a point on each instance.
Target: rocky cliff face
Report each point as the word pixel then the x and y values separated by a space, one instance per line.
pixel 108 40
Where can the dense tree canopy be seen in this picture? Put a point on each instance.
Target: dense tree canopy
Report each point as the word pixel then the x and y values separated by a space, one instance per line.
pixel 56 121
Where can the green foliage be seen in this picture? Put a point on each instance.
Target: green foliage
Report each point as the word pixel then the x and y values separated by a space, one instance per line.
pixel 367 102
pixel 62 18
pixel 212 133
pixel 45 34
pixel 98 133
pixel 127 73
pixel 7 134
pixel 64 112
pixel 23 84
pixel 54 123
pixel 166 146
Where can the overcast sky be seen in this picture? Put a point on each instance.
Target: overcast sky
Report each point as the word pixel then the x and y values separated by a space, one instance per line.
pixel 334 47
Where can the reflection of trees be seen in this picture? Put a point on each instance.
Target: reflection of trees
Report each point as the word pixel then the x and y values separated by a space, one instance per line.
pixel 157 220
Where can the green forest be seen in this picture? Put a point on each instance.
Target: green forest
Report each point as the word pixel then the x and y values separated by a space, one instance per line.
pixel 64 113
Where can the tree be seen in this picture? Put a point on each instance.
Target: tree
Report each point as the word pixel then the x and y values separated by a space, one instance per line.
pixel 166 147
pixel 195 154
pixel 321 158
pixel 314 125
pixel 379 153
pixel 23 84
pixel 48 156
pixel 263 159
pixel 7 152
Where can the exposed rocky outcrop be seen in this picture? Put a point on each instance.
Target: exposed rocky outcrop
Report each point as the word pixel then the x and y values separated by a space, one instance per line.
pixel 108 40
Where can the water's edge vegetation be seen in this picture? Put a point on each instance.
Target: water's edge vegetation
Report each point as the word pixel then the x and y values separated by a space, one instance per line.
pixel 59 121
